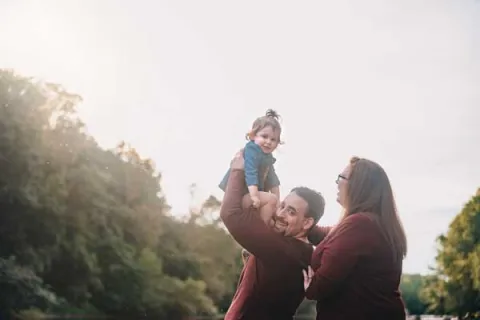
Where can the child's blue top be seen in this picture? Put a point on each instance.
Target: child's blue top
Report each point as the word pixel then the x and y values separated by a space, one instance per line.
pixel 259 170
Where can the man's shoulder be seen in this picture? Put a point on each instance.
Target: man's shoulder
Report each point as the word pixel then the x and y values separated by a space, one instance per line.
pixel 305 248
pixel 297 252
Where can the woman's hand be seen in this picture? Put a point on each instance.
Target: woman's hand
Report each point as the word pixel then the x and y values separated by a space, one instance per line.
pixel 307 277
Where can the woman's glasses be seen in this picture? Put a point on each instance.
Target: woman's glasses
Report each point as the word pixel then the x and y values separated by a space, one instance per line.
pixel 339 178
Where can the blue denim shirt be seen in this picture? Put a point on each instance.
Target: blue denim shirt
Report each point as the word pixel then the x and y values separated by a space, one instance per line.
pixel 257 164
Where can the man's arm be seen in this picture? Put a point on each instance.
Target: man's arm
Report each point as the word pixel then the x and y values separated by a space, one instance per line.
pixel 246 226
pixel 352 240
pixel 317 234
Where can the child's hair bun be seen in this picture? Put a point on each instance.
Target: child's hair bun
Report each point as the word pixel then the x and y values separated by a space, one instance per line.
pixel 272 114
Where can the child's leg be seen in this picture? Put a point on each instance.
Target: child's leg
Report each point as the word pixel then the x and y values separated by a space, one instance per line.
pixel 268 205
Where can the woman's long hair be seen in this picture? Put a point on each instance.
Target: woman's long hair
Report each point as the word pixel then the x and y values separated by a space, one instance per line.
pixel 369 190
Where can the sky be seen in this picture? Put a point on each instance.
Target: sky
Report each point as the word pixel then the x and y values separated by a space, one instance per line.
pixel 394 81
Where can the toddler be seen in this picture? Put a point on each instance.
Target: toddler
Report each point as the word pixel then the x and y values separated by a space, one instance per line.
pixel 262 183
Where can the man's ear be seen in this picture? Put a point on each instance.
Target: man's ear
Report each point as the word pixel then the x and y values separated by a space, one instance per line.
pixel 308 223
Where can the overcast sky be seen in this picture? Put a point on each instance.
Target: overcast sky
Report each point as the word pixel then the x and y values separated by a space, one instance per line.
pixel 396 81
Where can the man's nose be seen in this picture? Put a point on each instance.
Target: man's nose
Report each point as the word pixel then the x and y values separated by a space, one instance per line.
pixel 280 213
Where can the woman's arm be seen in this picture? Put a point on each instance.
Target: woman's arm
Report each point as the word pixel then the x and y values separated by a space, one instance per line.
pixel 353 238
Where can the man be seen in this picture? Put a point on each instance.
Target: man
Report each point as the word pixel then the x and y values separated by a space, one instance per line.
pixel 271 285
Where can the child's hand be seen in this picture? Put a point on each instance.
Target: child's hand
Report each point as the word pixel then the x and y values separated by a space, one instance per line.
pixel 256 201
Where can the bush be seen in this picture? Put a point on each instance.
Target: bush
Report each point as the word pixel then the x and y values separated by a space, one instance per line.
pixel 22 289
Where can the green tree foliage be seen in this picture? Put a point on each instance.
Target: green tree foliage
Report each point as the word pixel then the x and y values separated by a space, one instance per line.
pixel 433 293
pixel 410 288
pixel 93 224
pixel 455 288
pixel 22 289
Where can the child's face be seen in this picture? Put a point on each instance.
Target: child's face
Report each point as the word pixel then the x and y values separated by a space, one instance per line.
pixel 267 139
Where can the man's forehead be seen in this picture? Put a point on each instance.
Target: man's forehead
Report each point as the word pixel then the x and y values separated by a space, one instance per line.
pixel 296 202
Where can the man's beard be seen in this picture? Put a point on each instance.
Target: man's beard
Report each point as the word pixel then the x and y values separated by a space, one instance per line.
pixel 279 230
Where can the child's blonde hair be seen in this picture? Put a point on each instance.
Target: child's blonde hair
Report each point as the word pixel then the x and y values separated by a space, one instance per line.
pixel 270 119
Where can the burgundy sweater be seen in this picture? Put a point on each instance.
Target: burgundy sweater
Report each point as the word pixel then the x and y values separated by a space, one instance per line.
pixel 271 283
pixel 355 275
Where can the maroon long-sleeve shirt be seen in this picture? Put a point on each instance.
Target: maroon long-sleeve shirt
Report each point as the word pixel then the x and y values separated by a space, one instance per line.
pixel 271 283
pixel 355 274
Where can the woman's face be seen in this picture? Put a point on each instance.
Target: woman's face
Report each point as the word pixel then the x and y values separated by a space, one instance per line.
pixel 342 182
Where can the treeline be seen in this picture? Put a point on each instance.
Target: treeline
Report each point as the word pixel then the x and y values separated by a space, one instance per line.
pixel 88 231
pixel 85 230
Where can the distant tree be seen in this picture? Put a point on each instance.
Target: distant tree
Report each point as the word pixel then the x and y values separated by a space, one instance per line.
pixel 410 287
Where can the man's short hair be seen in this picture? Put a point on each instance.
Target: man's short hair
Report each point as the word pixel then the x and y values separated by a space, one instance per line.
pixel 315 201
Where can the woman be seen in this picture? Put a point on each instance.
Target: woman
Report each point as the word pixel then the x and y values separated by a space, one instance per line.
pixel 356 269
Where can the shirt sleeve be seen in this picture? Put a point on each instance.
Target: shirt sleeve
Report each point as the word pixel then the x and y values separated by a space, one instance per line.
pixel 272 178
pixel 248 229
pixel 352 239
pixel 252 156
pixel 318 233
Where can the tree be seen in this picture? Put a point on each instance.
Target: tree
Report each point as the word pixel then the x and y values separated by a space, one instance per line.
pixel 456 286
pixel 433 294
pixel 94 225
pixel 22 289
pixel 410 287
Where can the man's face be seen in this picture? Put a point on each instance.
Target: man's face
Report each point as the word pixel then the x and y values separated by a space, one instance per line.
pixel 290 219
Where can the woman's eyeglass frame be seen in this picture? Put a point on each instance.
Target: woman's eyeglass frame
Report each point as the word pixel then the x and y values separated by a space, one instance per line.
pixel 340 177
